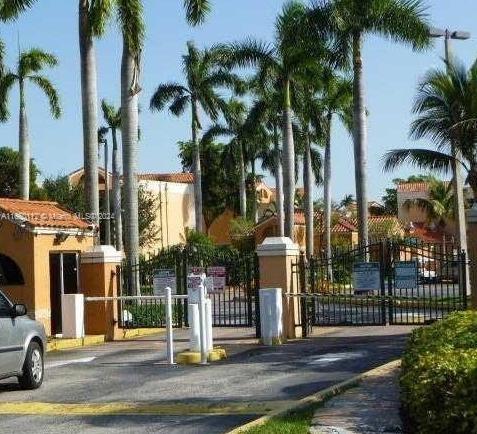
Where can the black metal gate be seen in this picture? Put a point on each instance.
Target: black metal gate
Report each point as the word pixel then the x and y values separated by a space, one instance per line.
pixel 330 294
pixel 236 305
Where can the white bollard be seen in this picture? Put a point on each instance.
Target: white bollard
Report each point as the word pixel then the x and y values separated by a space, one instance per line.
pixel 271 310
pixel 194 327
pixel 169 332
pixel 203 332
pixel 208 324
pixel 72 314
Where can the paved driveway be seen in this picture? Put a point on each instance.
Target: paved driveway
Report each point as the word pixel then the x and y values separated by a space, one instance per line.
pixel 126 387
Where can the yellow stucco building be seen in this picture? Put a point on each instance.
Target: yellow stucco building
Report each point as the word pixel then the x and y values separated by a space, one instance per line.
pixel 40 243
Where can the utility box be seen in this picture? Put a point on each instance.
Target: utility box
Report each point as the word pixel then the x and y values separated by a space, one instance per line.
pixel 271 316
pixel 72 312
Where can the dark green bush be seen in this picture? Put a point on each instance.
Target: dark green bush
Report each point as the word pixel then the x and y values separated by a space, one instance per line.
pixel 439 376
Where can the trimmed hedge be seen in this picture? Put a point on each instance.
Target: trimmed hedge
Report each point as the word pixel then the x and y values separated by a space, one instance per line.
pixel 439 376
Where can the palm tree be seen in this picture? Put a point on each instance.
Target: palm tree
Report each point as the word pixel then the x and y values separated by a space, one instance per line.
pixel 203 77
pixel 347 201
pixel 93 16
pixel 446 108
pixel 279 66
pixel 102 140
pixel 112 116
pixel 336 99
pixel 439 207
pixel 9 11
pixel 29 67
pixel 131 20
pixel 349 22
pixel 235 113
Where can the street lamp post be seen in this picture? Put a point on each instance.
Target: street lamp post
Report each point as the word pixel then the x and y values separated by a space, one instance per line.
pixel 457 183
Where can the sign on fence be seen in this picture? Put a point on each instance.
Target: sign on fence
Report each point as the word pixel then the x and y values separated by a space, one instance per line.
pixel 193 286
pixel 163 279
pixel 218 275
pixel 366 277
pixel 405 275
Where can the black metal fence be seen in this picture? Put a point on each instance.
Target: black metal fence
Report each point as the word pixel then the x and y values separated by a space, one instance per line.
pixel 235 305
pixel 331 296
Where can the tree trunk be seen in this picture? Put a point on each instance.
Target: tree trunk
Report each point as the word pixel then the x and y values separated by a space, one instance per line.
pixel 279 184
pixel 308 184
pixel 327 189
pixel 24 147
pixel 118 221
pixel 242 186
pixel 90 113
pixel 288 165
pixel 107 205
pixel 360 140
pixel 197 168
pixel 129 129
pixel 254 210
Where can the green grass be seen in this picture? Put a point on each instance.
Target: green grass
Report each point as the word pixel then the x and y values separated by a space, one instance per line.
pixel 295 422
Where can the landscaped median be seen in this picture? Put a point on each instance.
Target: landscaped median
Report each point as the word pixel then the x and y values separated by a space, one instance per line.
pixel 439 376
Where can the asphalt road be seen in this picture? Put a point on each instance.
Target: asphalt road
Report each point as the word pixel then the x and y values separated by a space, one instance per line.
pixel 125 387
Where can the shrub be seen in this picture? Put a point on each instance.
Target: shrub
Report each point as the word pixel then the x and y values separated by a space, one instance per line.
pixel 439 376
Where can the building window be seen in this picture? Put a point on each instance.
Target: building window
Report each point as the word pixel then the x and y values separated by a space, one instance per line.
pixel 10 273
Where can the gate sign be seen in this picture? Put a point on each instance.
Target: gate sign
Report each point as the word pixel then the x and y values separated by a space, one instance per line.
pixel 366 277
pixel 163 279
pixel 193 286
pixel 198 271
pixel 405 275
pixel 218 275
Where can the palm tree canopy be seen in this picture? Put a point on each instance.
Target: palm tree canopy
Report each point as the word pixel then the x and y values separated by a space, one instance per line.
pixel 404 21
pixel 196 10
pixel 10 9
pixel 111 115
pixel 29 66
pixel 203 77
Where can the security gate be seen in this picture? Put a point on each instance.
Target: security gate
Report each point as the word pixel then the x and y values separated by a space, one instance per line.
pixel 390 282
pixel 233 305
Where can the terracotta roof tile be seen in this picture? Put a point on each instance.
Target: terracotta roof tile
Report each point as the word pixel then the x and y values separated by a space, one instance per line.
pixel 413 187
pixel 180 178
pixel 41 214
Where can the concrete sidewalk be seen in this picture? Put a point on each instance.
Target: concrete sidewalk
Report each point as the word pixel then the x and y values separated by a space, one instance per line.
pixel 371 407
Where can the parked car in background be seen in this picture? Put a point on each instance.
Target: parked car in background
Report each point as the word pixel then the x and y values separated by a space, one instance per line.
pixel 22 345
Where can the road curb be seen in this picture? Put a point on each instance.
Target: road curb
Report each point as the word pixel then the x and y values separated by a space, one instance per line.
pixel 319 397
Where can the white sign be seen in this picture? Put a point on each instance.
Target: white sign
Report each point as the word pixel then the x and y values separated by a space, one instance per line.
pixel 405 275
pixel 218 275
pixel 209 284
pixel 366 277
pixel 163 279
pixel 194 283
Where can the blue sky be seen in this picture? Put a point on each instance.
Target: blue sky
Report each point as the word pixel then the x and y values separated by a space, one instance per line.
pixel 391 70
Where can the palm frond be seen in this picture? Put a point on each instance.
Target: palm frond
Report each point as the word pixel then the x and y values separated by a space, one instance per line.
pixel 51 93
pixel 100 12
pixel 196 10
pixel 165 93
pixel 421 158
pixel 6 83
pixel 131 21
pixel 10 9
pixel 34 60
pixel 179 105
pixel 111 115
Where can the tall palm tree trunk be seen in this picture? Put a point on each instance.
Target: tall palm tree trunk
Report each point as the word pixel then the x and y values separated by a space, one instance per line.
pixel 129 128
pixel 197 167
pixel 118 221
pixel 308 184
pixel 360 140
pixel 253 192
pixel 242 186
pixel 327 189
pixel 90 112
pixel 107 204
pixel 288 164
pixel 24 147
pixel 327 197
pixel 279 184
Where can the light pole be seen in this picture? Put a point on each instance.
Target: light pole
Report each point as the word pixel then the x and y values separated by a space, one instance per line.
pixel 448 35
pixel 457 183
